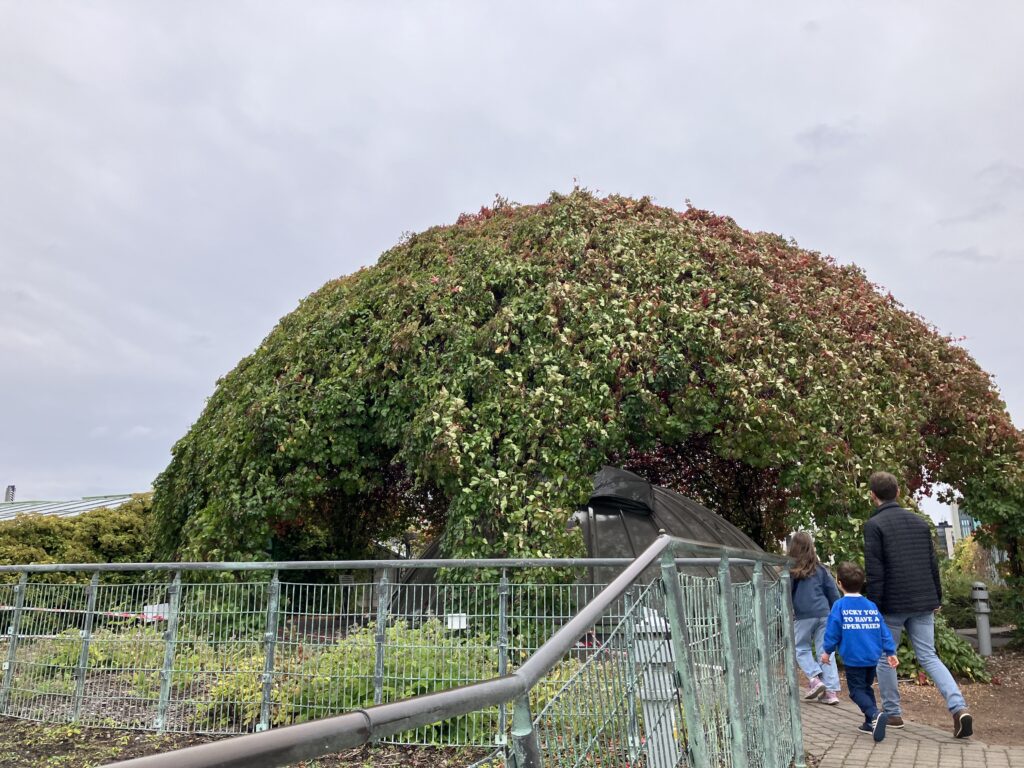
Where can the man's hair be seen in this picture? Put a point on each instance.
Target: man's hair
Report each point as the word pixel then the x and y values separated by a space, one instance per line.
pixel 851 577
pixel 884 485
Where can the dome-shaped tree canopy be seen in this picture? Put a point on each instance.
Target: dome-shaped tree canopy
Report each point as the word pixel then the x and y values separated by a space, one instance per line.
pixel 480 373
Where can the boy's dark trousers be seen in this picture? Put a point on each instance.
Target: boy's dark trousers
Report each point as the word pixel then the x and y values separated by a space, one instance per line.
pixel 859 680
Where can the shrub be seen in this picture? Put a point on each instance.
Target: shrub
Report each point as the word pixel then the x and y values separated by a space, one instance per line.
pixel 119 535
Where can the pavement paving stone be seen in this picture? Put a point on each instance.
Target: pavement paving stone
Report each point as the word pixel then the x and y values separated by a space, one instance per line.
pixel 830 734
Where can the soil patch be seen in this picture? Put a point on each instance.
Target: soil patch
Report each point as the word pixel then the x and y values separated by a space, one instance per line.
pixel 25 744
pixel 997 707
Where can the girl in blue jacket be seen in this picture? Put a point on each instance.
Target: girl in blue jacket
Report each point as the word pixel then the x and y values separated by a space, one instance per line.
pixel 814 592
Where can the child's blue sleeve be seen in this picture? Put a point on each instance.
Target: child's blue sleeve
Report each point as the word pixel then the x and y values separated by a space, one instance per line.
pixel 833 630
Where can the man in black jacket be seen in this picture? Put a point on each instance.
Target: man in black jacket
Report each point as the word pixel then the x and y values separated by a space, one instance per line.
pixel 903 581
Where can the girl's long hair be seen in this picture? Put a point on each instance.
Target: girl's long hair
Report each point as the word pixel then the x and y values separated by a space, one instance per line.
pixel 801 549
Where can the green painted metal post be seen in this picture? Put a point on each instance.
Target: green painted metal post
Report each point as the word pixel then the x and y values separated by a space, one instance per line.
pixel 794 687
pixel 380 637
pixel 170 643
pixel 633 724
pixel 83 656
pixel 686 676
pixel 525 751
pixel 766 712
pixel 269 646
pixel 730 652
pixel 503 590
pixel 12 640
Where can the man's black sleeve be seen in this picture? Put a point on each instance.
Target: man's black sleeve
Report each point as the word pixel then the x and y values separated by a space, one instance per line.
pixel 874 564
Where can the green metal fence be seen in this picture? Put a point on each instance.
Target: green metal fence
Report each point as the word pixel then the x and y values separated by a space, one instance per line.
pixel 684 670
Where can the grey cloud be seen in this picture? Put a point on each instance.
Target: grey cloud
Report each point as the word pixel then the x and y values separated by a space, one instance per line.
pixel 969 255
pixel 1003 176
pixel 825 137
pixel 979 213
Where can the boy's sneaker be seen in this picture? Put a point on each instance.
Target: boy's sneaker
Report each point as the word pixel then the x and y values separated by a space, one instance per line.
pixel 815 689
pixel 830 697
pixel 878 726
pixel 963 724
pixel 865 727
pixel 895 721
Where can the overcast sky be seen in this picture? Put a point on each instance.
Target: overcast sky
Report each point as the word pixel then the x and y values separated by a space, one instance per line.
pixel 176 176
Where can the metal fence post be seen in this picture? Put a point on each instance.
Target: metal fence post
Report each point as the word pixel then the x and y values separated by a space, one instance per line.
pixel 170 641
pixel 794 689
pixel 633 723
pixel 768 719
pixel 731 662
pixel 696 739
pixel 269 646
pixel 380 637
pixel 12 640
pixel 83 656
pixel 525 752
pixel 503 589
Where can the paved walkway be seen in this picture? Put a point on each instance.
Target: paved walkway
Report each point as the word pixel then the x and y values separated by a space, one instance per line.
pixel 831 735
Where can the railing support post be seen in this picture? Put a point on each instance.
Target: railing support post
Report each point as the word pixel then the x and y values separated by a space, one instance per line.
pixel 730 652
pixel 170 643
pixel 768 732
pixel 83 656
pixel 12 640
pixel 503 590
pixel 633 724
pixel 794 689
pixel 269 646
pixel 380 637
pixel 525 752
pixel 685 674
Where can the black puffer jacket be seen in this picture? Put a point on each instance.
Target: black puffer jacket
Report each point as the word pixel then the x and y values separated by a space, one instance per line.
pixel 900 562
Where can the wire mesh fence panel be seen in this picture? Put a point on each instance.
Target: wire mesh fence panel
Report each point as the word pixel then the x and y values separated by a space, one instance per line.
pixel 707 654
pixel 39 683
pixel 123 659
pixel 325 653
pixel 235 652
pixel 617 704
pixel 216 658
pixel 452 645
pixel 748 658
pixel 779 693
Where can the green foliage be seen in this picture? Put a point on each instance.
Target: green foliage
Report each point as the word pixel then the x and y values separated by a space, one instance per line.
pixel 475 378
pixel 956 653
pixel 958 608
pixel 119 535
pixel 419 659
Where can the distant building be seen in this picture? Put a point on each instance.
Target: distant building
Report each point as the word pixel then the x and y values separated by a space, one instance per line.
pixel 10 509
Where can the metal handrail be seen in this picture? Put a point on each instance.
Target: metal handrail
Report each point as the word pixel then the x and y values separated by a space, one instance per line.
pixel 357 565
pixel 306 741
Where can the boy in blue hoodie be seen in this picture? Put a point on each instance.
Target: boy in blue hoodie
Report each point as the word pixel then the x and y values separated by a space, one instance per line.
pixel 856 627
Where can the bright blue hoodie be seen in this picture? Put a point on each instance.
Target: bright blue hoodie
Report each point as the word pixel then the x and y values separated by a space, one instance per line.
pixel 857 628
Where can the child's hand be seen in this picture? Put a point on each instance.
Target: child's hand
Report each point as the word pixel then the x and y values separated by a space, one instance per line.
pixel 824 658
pixel 893 662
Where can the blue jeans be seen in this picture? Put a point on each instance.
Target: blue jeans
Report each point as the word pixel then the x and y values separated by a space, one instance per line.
pixel 859 680
pixel 806 630
pixel 921 631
